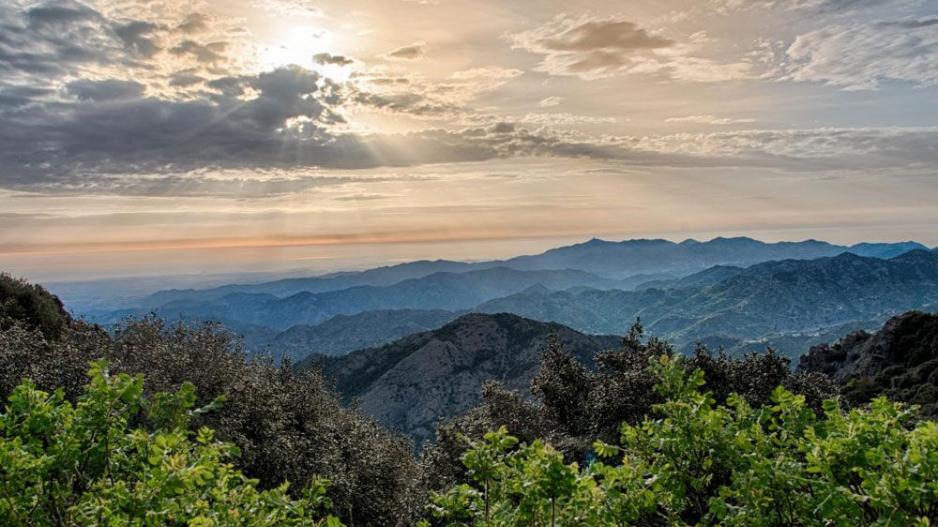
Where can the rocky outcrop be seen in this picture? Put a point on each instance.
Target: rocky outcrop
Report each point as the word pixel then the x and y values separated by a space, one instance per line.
pixel 899 361
pixel 414 382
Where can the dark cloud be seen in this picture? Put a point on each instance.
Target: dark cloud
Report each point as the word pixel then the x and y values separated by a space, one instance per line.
pixel 58 14
pixel 185 78
pixel 412 52
pixel 13 98
pixel 618 35
pixel 138 38
pixel 330 59
pixel 53 38
pixel 107 90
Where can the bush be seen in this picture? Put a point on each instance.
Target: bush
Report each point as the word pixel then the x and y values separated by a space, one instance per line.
pixel 700 463
pixel 88 464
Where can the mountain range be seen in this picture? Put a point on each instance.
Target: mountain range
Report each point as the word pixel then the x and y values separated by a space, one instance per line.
pixel 739 292
pixel 443 290
pixel 772 298
pixel 628 259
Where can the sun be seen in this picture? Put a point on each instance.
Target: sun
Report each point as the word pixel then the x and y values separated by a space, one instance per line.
pixel 296 45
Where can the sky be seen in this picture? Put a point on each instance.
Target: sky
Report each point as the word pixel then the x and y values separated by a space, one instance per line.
pixel 142 137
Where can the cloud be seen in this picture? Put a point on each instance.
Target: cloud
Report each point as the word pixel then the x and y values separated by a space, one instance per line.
pixel 53 39
pixel 411 94
pixel 707 119
pixel 490 72
pixel 820 6
pixel 863 56
pixel 324 59
pixel 279 117
pixel 807 149
pixel 185 78
pixel 413 51
pixel 97 104
pixel 48 42
pixel 209 53
pixel 139 38
pixel 595 35
pixel 592 48
pixel 194 23
pixel 549 102
pixel 564 118
pixel 222 184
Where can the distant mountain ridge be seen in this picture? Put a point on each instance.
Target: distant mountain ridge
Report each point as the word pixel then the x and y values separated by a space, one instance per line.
pixel 379 276
pixel 447 291
pixel 618 259
pixel 787 296
pixel 606 258
pixel 668 284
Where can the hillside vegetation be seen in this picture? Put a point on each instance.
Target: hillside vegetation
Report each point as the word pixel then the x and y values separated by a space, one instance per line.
pixel 174 425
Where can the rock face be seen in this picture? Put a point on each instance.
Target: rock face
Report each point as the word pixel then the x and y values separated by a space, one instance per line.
pixel 414 382
pixel 899 361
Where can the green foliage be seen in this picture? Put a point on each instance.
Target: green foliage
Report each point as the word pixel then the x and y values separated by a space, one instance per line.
pixel 286 425
pixel 698 462
pixel 575 406
pixel 88 464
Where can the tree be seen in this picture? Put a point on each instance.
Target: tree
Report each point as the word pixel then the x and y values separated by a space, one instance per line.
pixel 563 385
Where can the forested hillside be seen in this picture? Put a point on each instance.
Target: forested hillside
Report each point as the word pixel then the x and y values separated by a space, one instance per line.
pixel 133 425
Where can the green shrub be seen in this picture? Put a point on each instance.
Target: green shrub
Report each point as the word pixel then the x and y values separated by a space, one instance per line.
pixel 697 462
pixel 286 425
pixel 93 463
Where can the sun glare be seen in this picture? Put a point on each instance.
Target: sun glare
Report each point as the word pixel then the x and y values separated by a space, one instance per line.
pixel 297 45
